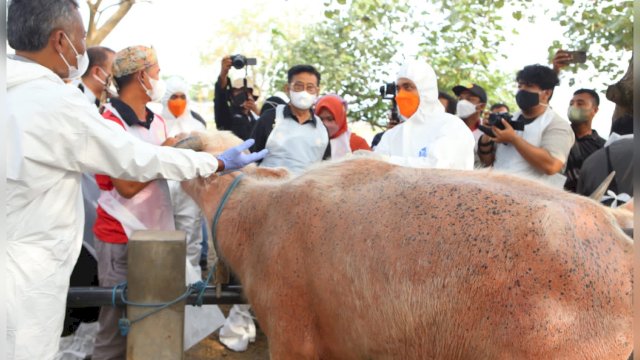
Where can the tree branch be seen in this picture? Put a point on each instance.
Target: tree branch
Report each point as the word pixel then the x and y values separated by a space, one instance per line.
pixel 96 37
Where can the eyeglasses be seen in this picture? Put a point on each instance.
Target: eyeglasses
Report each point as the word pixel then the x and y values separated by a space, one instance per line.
pixel 176 96
pixel 309 87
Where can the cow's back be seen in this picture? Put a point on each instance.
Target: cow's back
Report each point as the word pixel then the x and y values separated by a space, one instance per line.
pixel 391 262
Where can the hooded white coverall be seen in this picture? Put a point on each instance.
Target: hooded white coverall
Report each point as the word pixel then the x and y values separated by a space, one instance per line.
pixel 199 321
pixel 430 138
pixel 187 214
pixel 53 136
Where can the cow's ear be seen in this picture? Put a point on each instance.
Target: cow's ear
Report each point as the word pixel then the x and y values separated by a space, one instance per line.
pixel 268 173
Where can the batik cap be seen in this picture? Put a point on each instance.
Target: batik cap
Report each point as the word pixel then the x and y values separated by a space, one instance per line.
pixel 132 59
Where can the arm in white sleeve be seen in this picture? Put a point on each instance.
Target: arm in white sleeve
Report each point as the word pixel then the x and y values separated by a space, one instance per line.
pixel 79 139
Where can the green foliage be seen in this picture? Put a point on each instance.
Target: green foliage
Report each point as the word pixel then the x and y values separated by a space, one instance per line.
pixel 352 48
pixel 462 40
pixel 603 28
pixel 358 44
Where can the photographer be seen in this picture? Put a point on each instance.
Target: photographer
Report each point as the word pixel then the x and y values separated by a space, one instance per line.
pixel 539 151
pixel 234 109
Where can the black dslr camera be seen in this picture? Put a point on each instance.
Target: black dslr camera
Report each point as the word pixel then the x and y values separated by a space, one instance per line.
pixel 239 61
pixel 388 92
pixel 495 119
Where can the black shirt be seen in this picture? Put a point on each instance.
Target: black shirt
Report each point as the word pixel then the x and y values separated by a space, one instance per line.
pixel 129 116
pixel 581 150
pixel 228 117
pixel 266 122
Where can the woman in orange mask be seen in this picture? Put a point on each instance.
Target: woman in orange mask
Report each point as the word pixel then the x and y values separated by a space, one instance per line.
pixel 332 110
pixel 176 111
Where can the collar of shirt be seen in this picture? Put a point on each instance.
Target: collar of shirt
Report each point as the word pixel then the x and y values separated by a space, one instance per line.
pixel 287 113
pixel 88 93
pixel 591 137
pixel 129 116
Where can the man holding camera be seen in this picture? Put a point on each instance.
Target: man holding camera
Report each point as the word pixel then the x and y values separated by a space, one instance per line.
pixel 541 149
pixel 234 104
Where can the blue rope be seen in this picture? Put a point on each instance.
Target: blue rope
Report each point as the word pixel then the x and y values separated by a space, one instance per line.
pixel 124 324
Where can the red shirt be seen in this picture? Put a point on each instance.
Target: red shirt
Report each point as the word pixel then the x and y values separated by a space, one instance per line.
pixel 107 228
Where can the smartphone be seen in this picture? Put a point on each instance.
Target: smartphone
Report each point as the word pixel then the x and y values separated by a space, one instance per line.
pixel 577 57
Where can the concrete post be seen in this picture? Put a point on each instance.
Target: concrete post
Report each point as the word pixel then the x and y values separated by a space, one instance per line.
pixel 156 274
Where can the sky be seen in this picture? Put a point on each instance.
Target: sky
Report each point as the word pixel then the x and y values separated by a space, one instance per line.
pixel 182 30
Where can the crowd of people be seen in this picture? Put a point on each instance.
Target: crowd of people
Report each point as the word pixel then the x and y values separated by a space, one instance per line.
pixel 82 137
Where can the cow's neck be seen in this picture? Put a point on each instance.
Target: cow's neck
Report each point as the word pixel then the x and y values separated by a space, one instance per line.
pixel 247 205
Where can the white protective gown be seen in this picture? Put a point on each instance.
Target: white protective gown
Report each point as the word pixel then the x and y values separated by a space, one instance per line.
pixel 53 136
pixel 187 214
pixel 430 138
pixel 199 321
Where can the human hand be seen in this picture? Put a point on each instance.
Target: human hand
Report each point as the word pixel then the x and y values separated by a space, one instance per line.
pixel 560 60
pixel 234 158
pixel 508 135
pixel 225 65
pixel 250 105
pixel 170 141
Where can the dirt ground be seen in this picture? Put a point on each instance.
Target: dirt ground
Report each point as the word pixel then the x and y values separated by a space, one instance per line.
pixel 210 348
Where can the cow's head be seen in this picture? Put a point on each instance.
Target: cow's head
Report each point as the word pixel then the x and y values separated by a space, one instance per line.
pixel 207 192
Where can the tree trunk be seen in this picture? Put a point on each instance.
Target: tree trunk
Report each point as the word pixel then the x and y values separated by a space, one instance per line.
pixel 95 34
pixel 621 93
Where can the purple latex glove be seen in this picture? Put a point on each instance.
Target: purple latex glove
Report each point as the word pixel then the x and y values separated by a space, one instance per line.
pixel 234 158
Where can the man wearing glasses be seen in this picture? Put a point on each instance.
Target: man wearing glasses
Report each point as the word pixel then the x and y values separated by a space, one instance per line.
pixel 294 136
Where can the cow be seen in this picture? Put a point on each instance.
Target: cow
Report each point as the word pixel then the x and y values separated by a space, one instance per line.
pixel 363 259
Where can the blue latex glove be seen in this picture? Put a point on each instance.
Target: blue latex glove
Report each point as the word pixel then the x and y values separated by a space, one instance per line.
pixel 234 158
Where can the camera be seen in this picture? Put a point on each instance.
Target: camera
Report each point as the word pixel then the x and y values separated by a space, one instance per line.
pixel 388 92
pixel 495 119
pixel 239 61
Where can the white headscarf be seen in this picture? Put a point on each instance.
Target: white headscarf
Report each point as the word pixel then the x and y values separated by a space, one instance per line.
pixel 185 123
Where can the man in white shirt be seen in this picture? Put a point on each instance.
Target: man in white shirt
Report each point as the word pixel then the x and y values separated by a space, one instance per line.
pixel 539 151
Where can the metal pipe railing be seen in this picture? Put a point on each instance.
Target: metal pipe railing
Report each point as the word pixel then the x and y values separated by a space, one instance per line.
pixel 81 297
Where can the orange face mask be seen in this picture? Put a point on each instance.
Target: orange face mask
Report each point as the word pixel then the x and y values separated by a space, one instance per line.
pixel 177 106
pixel 407 103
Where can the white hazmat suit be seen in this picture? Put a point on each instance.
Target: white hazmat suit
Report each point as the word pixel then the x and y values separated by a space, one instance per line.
pixel 53 136
pixel 430 138
pixel 199 321
pixel 187 214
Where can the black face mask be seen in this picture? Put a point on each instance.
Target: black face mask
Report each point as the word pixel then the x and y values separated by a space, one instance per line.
pixel 238 100
pixel 527 99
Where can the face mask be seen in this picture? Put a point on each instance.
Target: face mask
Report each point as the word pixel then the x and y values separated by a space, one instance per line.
pixel 157 90
pixel 527 99
pixel 577 115
pixel 465 109
pixel 302 99
pixel 407 103
pixel 177 106
pixel 82 60
pixel 106 77
pixel 238 100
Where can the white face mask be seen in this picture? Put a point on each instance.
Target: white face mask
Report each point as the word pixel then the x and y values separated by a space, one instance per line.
pixel 158 88
pixel 465 108
pixel 82 60
pixel 302 99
